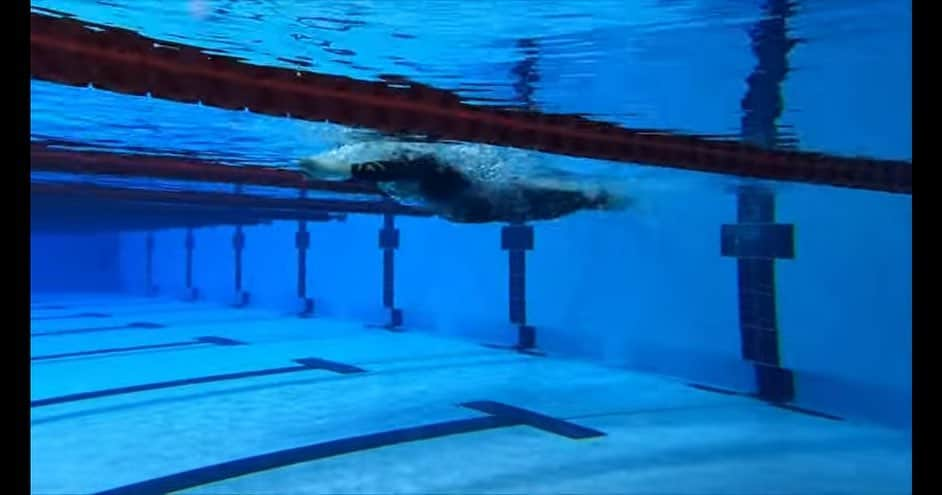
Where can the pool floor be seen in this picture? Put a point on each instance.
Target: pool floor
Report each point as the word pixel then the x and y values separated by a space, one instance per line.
pixel 134 395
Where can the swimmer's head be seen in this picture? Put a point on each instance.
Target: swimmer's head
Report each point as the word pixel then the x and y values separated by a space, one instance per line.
pixel 319 168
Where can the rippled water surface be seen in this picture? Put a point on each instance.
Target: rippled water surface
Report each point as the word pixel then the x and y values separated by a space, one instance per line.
pixel 678 65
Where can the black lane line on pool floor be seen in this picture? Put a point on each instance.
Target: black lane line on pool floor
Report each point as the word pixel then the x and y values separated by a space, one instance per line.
pixel 499 416
pixel 74 316
pixel 304 364
pixel 108 328
pixel 787 407
pixel 119 314
pixel 221 341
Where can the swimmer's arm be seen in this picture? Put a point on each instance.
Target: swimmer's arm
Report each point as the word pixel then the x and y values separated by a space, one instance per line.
pixel 317 168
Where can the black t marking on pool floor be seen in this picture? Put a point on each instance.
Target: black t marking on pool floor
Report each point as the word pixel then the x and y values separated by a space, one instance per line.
pixel 498 416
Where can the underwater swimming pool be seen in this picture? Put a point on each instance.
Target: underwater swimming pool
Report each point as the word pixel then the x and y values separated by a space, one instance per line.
pixel 206 318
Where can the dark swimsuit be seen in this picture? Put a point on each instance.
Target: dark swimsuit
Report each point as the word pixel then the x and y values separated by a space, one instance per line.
pixel 447 186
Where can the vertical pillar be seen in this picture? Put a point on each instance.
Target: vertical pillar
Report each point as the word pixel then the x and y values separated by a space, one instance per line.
pixel 238 245
pixel 389 242
pixel 756 240
pixel 149 287
pixel 241 298
pixel 517 239
pixel 302 241
pixel 191 293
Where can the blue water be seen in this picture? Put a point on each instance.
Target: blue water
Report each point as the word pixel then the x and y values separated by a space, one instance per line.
pixel 628 306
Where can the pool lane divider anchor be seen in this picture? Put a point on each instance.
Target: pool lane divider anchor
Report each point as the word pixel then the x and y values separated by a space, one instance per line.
pixel 303 364
pixel 302 241
pixel 150 289
pixel 517 239
pixel 191 293
pixel 242 297
pixel 756 241
pixel 144 325
pixel 389 242
pixel 220 341
pixel 497 416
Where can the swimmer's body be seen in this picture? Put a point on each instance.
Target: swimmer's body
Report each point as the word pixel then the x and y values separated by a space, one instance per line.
pixel 453 193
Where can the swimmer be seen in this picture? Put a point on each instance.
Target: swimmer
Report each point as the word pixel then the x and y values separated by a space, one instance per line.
pixel 465 192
